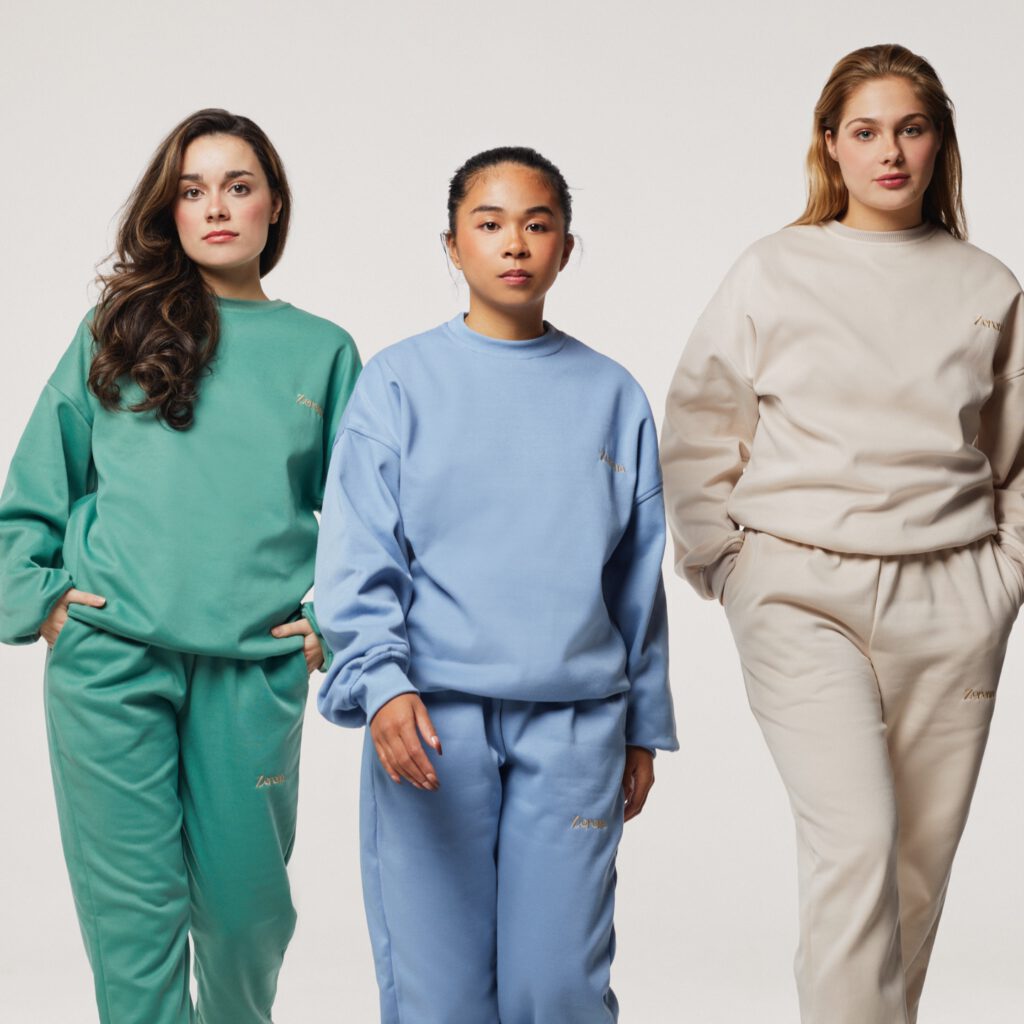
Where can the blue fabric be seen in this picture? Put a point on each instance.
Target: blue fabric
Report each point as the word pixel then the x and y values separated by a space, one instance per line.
pixel 493 525
pixel 492 898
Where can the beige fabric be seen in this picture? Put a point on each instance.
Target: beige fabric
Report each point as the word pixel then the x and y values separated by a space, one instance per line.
pixel 858 391
pixel 873 680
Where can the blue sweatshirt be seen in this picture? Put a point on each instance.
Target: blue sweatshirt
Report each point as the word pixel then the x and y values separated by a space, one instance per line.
pixel 493 524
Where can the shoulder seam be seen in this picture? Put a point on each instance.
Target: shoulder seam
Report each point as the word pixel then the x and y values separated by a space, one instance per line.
pixel 74 405
pixel 349 429
pixel 648 494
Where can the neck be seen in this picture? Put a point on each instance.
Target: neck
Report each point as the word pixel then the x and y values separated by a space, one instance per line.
pixel 225 285
pixel 866 218
pixel 503 324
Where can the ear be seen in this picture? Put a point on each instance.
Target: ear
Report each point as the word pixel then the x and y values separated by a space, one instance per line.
pixel 453 249
pixel 570 244
pixel 276 210
pixel 830 144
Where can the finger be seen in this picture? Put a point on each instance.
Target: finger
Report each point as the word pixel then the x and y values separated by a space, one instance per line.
pixel 298 628
pixel 314 653
pixel 426 727
pixel 398 758
pixel 416 765
pixel 385 761
pixel 83 597
pixel 644 782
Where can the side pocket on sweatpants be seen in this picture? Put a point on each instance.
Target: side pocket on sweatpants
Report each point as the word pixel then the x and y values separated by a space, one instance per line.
pixel 1010 572
pixel 741 568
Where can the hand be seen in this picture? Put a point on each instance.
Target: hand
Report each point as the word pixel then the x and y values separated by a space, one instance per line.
pixel 393 730
pixel 637 779
pixel 310 645
pixel 54 622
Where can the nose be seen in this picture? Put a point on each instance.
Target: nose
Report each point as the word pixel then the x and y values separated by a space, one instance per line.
pixel 216 208
pixel 893 153
pixel 515 245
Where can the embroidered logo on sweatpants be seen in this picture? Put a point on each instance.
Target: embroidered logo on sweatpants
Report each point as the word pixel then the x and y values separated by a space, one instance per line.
pixel 579 822
pixel 269 780
pixel 310 404
pixel 994 325
pixel 979 694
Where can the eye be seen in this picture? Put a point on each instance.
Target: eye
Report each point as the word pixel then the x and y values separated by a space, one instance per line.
pixel 536 227
pixel 913 130
pixel 864 134
pixel 191 193
pixel 239 188
pixel 489 225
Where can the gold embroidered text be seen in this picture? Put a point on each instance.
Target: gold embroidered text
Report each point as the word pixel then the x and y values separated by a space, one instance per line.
pixel 310 404
pixel 609 461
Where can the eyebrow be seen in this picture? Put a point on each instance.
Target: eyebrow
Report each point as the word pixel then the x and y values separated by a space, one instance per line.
pixel 500 209
pixel 229 175
pixel 871 120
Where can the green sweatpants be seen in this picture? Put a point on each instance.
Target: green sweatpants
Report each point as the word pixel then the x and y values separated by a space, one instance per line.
pixel 176 778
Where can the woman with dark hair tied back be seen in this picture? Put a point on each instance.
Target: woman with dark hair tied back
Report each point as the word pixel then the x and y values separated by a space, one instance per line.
pixel 844 470
pixel 489 576
pixel 157 529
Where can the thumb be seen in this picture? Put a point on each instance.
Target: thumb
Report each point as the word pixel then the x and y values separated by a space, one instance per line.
pixel 426 726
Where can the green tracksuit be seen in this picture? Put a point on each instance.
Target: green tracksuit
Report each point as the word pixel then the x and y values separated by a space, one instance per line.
pixel 174 716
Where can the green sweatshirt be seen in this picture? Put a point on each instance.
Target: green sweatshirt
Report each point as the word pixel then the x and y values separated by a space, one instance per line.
pixel 200 540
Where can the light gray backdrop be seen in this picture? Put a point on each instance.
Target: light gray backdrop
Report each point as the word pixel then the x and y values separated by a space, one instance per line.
pixel 682 127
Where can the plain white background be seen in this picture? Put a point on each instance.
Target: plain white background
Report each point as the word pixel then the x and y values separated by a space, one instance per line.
pixel 682 128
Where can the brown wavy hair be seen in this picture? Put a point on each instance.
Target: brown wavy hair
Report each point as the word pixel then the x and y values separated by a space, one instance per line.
pixel 827 196
pixel 156 320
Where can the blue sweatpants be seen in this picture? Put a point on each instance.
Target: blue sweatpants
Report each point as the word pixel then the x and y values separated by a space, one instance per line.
pixel 492 899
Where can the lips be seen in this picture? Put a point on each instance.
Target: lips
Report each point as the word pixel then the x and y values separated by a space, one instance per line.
pixel 893 180
pixel 220 236
pixel 516 275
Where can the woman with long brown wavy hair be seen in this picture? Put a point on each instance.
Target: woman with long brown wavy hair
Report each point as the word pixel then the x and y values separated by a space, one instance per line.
pixel 157 529
pixel 844 472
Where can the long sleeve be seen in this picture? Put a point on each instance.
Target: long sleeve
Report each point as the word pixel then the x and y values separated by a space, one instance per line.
pixel 363 581
pixel 1001 436
pixel 710 417
pixel 344 374
pixel 635 597
pixel 51 470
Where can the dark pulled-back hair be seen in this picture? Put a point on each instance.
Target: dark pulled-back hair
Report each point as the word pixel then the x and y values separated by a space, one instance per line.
pixel 156 320
pixel 462 180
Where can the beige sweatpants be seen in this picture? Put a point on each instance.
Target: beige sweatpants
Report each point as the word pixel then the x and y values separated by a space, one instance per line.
pixel 873 680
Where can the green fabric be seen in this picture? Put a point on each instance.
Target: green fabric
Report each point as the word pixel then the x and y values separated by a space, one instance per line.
pixel 176 778
pixel 200 540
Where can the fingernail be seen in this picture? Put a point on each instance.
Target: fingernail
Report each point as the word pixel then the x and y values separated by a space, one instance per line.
pixel 276 631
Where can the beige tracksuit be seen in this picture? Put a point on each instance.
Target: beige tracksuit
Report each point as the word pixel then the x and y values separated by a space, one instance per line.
pixel 855 402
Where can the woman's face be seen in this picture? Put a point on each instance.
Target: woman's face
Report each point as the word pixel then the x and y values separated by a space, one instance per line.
pixel 510 241
pixel 224 208
pixel 886 147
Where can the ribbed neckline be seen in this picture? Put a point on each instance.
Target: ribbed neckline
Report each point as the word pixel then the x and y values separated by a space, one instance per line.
pixel 250 305
pixel 550 342
pixel 907 235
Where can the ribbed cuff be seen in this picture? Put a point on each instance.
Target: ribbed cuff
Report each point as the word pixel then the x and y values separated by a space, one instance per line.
pixel 381 683
pixel 309 614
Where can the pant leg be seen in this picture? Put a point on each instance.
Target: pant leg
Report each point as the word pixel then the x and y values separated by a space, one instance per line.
pixel 561 822
pixel 111 707
pixel 428 866
pixel 240 734
pixel 800 617
pixel 942 624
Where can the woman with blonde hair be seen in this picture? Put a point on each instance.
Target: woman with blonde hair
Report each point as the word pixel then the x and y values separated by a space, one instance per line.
pixel 157 529
pixel 843 470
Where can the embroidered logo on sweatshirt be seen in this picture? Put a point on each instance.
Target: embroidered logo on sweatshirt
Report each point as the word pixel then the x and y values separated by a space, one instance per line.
pixel 310 404
pixel 980 321
pixel 269 780
pixel 579 822
pixel 979 694
pixel 609 461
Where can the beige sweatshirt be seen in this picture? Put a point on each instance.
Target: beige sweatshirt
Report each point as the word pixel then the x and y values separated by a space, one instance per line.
pixel 851 390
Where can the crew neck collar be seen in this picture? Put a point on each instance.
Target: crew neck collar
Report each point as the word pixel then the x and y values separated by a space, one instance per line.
pixel 249 305
pixel 903 237
pixel 532 348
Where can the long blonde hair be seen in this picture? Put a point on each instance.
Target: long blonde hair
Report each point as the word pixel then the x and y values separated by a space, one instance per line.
pixel 827 197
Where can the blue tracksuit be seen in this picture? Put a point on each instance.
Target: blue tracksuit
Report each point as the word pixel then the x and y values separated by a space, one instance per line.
pixel 492 538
